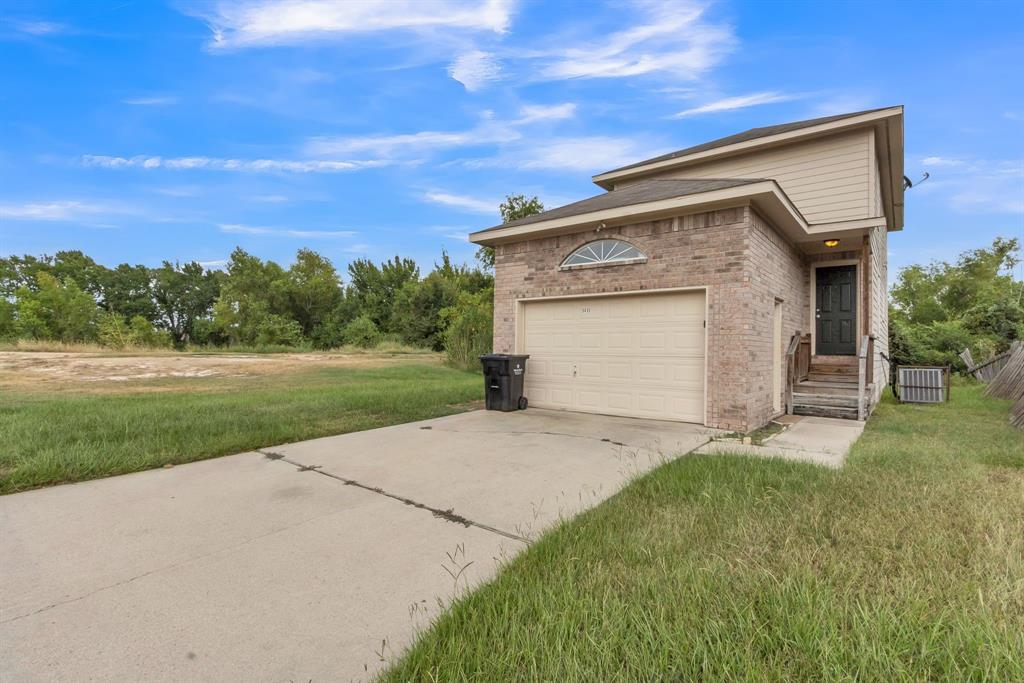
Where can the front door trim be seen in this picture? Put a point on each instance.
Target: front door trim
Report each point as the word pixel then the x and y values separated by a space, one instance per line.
pixel 813 295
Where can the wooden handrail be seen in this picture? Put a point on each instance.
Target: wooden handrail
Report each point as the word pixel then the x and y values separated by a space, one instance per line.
pixel 865 372
pixel 798 364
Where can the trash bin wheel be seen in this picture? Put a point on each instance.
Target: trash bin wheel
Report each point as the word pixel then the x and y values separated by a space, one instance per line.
pixel 522 403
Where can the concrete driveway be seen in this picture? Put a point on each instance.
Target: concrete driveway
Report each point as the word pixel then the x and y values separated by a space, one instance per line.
pixel 311 561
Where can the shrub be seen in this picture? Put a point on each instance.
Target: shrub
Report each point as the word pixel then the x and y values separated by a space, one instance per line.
pixel 277 330
pixel 361 332
pixel 142 333
pixel 468 328
pixel 113 331
pixel 116 333
pixel 936 343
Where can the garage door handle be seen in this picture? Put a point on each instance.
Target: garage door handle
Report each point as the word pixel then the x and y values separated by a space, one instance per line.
pixel 574 371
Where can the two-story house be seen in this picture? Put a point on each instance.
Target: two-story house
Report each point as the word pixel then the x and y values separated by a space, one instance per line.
pixel 721 284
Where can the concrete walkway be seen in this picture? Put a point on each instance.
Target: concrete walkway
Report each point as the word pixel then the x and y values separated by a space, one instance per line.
pixel 820 440
pixel 312 561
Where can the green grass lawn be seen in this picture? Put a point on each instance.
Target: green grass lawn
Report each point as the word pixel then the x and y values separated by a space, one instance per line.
pixel 906 565
pixel 53 438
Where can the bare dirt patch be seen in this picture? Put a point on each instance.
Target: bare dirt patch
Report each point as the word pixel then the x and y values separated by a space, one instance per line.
pixel 52 370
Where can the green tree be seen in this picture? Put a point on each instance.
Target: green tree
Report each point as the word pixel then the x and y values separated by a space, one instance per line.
pixel 85 272
pixel 416 314
pixel 468 328
pixel 56 310
pixel 946 291
pixel 514 207
pixel 253 291
pixel 8 324
pixel 314 289
pixel 184 294
pixel 374 288
pixel 329 333
pixel 940 309
pixel 17 272
pixel 128 290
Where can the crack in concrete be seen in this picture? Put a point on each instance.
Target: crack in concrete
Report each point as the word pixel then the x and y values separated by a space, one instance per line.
pixel 448 515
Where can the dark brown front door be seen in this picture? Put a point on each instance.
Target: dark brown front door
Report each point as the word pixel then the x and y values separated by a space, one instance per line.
pixel 836 311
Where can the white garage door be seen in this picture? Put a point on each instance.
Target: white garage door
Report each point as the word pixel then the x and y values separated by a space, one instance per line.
pixel 638 355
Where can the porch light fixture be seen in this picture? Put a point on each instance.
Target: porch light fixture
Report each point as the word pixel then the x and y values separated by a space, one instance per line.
pixel 831 243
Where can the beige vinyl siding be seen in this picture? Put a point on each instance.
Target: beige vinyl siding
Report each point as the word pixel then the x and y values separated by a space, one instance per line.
pixel 830 179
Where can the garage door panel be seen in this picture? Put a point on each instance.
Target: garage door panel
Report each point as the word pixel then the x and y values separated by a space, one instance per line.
pixel 639 355
pixel 615 370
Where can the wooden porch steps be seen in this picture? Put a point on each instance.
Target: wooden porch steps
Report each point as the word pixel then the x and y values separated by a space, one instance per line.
pixel 830 389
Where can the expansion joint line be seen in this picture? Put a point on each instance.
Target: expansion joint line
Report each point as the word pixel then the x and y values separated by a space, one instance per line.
pixel 448 515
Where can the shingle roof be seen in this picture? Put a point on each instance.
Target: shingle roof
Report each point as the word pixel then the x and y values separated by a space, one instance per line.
pixel 637 193
pixel 752 134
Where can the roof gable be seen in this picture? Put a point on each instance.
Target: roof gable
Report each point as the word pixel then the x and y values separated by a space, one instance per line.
pixel 651 190
pixel 747 135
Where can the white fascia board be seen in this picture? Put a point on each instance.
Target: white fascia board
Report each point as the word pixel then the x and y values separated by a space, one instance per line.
pixel 767 195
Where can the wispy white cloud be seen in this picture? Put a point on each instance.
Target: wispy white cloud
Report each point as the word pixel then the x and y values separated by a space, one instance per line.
pixel 737 102
pixel 61 210
pixel 152 101
pixel 475 69
pixel 190 191
pixel 532 113
pixel 975 186
pixel 221 164
pixel 489 131
pixel 39 28
pixel 356 248
pixel 941 161
pixel 408 144
pixel 464 202
pixel 588 154
pixel 269 198
pixel 213 265
pixel 239 229
pixel 670 37
pixel 247 23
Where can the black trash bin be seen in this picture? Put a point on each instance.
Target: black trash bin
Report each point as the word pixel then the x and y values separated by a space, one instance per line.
pixel 503 381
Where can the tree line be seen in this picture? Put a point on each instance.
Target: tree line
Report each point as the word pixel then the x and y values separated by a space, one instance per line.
pixel 255 303
pixel 938 310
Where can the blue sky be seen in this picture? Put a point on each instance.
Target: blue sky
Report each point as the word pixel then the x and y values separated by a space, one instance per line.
pixel 143 131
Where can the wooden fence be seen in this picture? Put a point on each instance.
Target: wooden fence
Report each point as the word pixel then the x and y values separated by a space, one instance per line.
pixel 1009 383
pixel 986 371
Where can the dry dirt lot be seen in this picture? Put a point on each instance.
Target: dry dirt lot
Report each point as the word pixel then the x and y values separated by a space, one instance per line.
pixel 26 370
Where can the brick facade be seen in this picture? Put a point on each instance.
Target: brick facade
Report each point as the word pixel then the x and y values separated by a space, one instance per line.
pixel 742 261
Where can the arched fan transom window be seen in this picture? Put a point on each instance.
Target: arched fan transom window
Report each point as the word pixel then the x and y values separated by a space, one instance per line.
pixel 604 252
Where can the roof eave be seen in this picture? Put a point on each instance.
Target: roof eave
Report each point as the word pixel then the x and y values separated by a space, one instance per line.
pixel 608 179
pixel 767 196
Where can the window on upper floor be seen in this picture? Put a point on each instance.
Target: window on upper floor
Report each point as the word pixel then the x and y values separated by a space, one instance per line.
pixel 604 252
